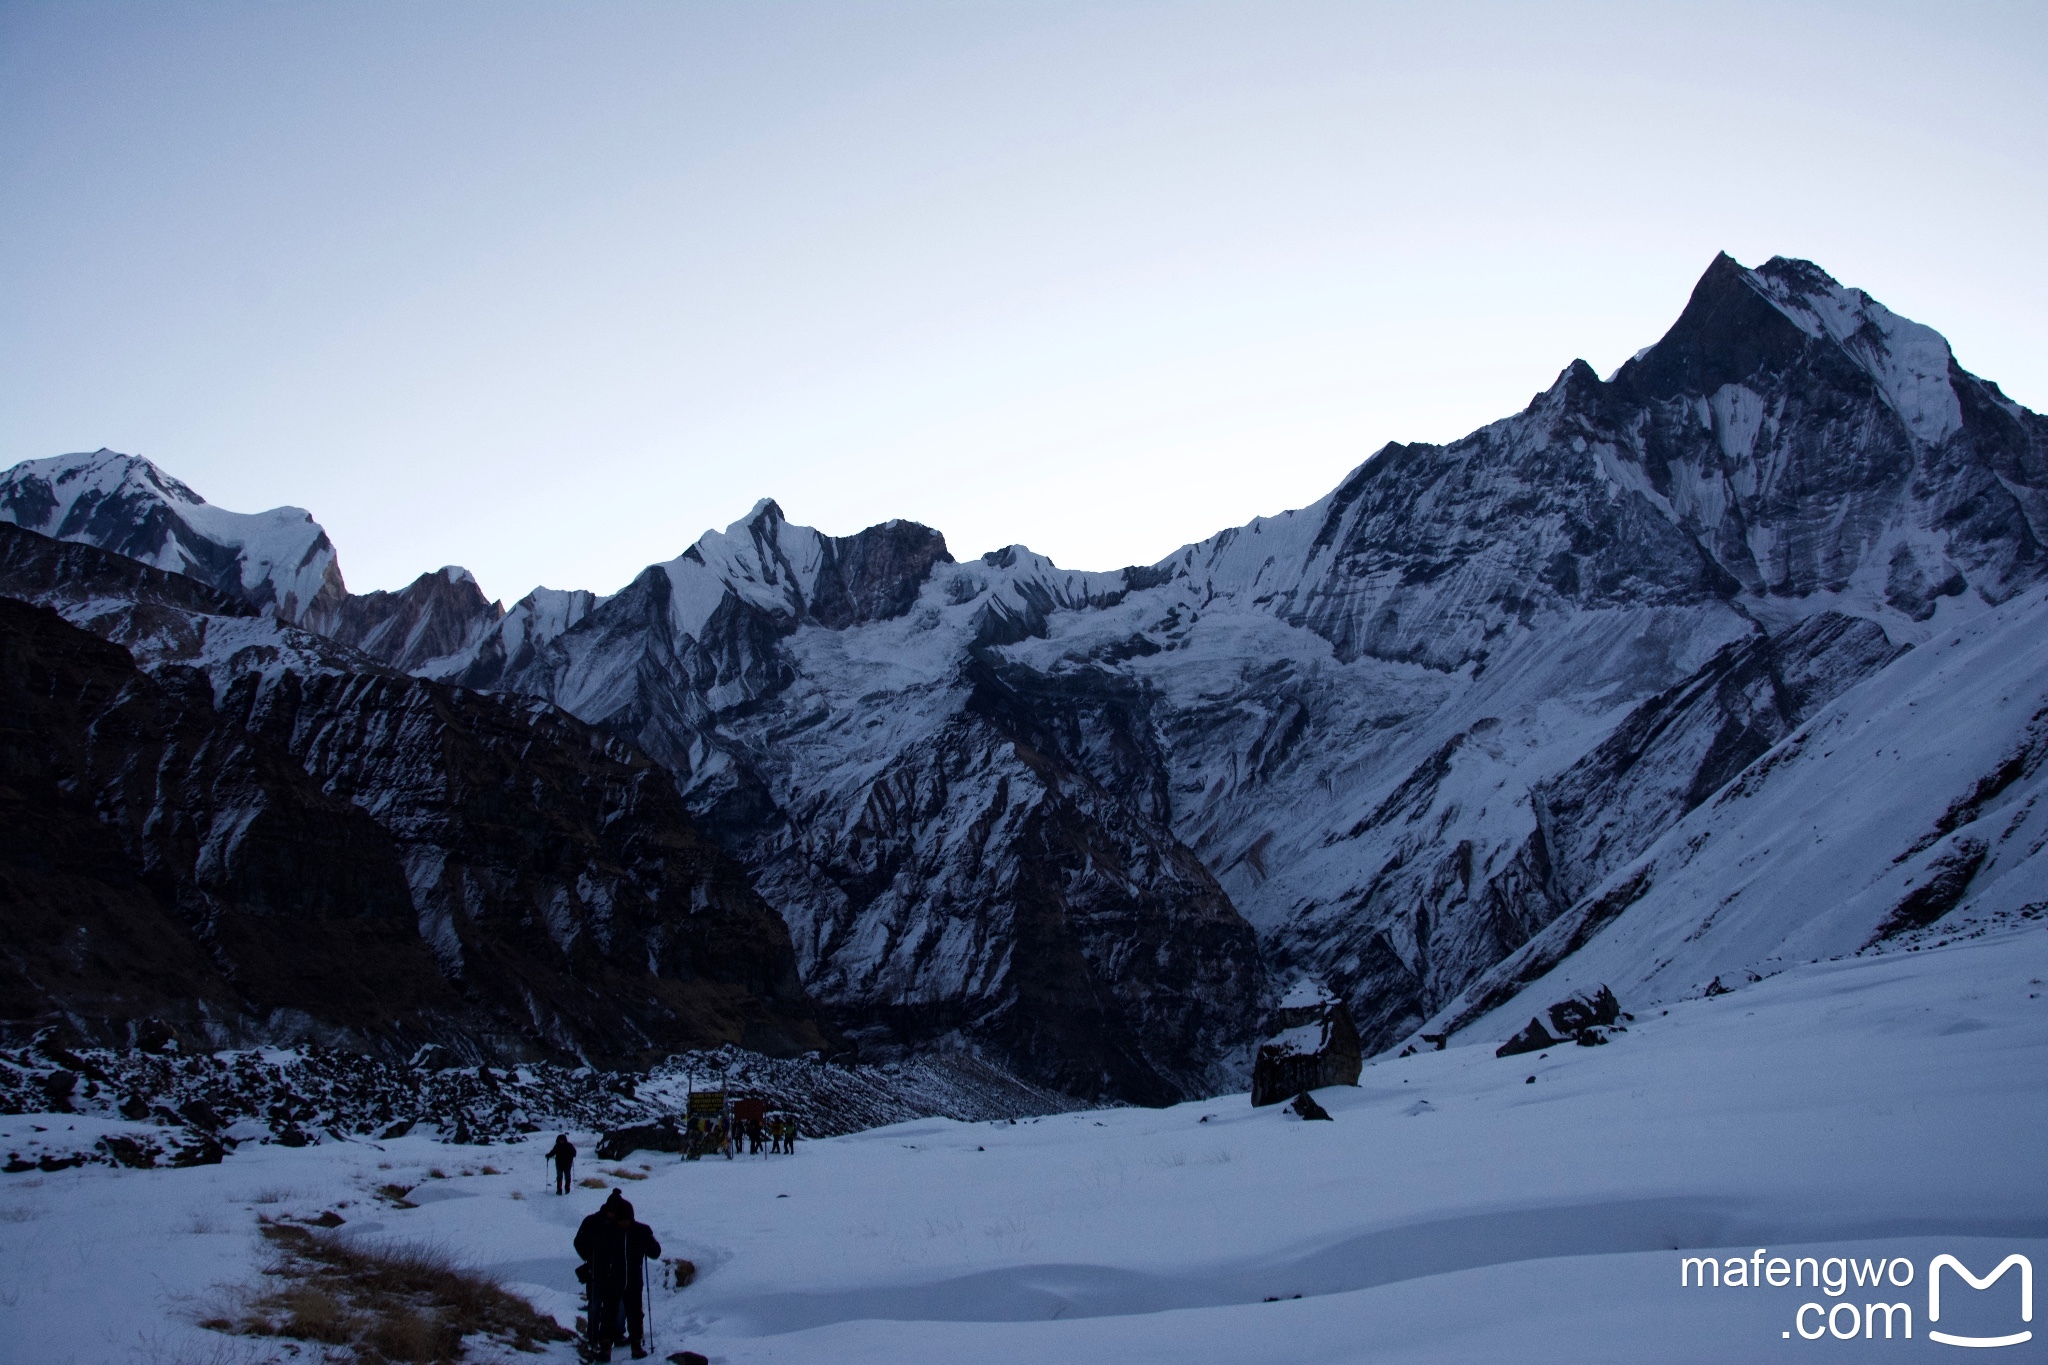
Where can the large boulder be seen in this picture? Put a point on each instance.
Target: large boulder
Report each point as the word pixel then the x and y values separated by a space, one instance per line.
pixel 1310 1044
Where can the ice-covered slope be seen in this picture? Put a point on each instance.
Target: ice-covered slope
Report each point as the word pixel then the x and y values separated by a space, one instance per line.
pixel 1909 810
pixel 279 561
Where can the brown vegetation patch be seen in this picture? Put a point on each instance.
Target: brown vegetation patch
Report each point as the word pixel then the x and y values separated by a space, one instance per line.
pixel 384 1304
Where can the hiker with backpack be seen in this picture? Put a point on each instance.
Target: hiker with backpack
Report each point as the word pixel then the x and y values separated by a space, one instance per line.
pixel 615 1250
pixel 562 1156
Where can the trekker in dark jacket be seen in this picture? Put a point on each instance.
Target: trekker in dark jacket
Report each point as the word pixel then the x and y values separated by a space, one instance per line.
pixel 615 1249
pixel 562 1156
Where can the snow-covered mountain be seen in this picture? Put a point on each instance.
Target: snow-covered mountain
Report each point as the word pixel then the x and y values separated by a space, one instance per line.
pixel 279 560
pixel 1404 728
pixel 1077 820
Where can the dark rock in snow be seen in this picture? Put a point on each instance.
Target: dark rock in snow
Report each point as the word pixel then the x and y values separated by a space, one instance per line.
pixel 1531 1039
pixel 620 1143
pixel 1306 1106
pixel 1570 1015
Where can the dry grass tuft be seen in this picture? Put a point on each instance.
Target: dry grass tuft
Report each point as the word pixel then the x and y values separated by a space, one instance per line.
pixel 385 1304
pixel 623 1174
pixel 591 1182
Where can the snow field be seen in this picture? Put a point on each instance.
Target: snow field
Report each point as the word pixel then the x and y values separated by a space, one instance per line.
pixel 1884 1106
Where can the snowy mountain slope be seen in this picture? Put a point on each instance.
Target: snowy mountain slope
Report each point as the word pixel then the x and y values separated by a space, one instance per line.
pixel 1597 553
pixel 1453 1210
pixel 1911 808
pixel 279 561
pixel 948 877
pixel 162 617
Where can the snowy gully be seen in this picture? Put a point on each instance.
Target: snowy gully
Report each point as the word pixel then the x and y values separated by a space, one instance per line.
pixel 1846 1320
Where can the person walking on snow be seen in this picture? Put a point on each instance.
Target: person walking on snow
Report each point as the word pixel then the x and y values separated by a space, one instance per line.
pixel 562 1156
pixel 615 1250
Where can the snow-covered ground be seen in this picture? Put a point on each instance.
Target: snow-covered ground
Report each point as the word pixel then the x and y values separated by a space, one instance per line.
pixel 1876 1107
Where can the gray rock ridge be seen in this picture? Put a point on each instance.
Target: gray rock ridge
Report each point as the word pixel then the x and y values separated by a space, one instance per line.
pixel 436 615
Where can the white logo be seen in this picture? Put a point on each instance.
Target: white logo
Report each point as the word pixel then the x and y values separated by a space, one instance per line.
pixel 2026 1298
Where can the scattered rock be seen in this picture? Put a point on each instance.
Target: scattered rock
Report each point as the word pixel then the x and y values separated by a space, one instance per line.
pixel 1306 1106
pixel 134 1152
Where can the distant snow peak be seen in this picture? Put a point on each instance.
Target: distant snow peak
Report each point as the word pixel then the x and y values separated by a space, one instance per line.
pixel 279 561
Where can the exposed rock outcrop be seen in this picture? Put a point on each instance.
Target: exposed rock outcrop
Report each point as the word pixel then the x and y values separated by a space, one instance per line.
pixel 1311 1042
pixel 499 874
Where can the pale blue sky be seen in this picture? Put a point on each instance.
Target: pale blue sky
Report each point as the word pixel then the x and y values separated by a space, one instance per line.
pixel 548 289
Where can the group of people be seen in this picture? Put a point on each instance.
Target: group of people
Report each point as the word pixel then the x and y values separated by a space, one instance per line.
pixel 738 1132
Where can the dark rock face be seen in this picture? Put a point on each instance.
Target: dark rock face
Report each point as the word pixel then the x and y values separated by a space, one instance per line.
pixel 35 566
pixel 554 871
pixel 521 884
pixel 1021 907
pixel 160 863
